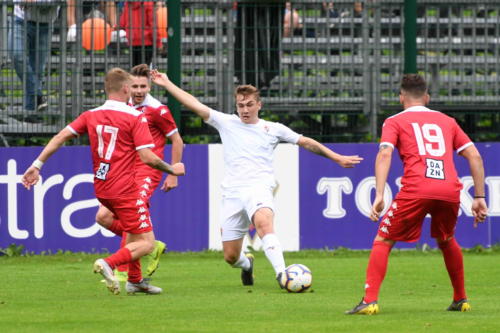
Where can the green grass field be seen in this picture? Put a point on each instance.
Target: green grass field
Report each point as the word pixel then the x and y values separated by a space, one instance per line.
pixel 59 293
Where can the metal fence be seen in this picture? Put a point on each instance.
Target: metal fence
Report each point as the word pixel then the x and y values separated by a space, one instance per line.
pixel 329 69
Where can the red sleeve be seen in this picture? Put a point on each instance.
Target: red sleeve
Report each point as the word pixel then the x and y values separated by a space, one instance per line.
pixel 390 132
pixel 164 120
pixel 460 139
pixel 79 125
pixel 124 20
pixel 141 134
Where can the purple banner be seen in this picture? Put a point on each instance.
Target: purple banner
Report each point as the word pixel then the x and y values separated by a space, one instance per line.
pixel 333 199
pixel 61 213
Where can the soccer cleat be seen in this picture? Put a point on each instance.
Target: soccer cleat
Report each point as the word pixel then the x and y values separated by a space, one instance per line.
pixel 142 287
pixel 154 257
pixel 121 276
pixel 364 308
pixel 462 306
pixel 102 267
pixel 247 276
pixel 278 278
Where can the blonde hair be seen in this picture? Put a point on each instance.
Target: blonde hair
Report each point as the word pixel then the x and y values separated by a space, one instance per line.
pixel 115 79
pixel 247 90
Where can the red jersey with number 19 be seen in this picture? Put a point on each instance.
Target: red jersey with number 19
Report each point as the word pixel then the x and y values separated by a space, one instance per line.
pixel 426 141
pixel 116 131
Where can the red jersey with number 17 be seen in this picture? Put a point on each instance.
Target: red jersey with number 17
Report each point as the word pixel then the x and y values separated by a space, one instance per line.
pixel 426 141
pixel 116 131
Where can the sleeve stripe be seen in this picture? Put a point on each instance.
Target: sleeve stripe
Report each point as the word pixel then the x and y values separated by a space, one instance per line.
pixel 386 143
pixel 151 145
pixel 172 132
pixel 464 146
pixel 72 130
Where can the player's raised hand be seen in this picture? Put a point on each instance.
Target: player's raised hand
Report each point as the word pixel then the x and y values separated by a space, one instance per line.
pixel 479 210
pixel 377 208
pixel 160 79
pixel 349 161
pixel 170 183
pixel 31 177
pixel 179 169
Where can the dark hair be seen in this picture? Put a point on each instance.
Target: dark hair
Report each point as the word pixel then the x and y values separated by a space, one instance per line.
pixel 141 70
pixel 247 90
pixel 413 85
pixel 115 79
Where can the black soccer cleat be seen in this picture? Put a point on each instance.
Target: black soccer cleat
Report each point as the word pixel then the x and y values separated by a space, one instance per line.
pixel 247 276
pixel 364 308
pixel 461 306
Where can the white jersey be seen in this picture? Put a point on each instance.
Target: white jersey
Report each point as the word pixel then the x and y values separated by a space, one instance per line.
pixel 249 148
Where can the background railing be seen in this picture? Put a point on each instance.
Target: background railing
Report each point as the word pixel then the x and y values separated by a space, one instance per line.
pixel 334 76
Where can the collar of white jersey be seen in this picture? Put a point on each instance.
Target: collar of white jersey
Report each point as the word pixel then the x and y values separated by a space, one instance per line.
pixel 418 108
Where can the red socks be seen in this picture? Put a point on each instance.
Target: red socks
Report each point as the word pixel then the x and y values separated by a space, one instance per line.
pixel 377 267
pixel 134 271
pixel 122 256
pixel 454 261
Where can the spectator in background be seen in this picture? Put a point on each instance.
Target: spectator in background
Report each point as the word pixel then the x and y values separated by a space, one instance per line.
pixel 106 7
pixel 138 21
pixel 30 32
pixel 357 9
pixel 329 10
pixel 292 23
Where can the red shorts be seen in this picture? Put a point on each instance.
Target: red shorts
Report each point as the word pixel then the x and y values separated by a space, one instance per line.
pixel 133 213
pixel 147 182
pixel 403 221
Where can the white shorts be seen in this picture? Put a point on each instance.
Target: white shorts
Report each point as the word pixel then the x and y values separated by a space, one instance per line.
pixel 238 207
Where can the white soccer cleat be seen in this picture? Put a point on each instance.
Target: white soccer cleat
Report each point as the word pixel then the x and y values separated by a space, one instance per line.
pixel 102 267
pixel 142 287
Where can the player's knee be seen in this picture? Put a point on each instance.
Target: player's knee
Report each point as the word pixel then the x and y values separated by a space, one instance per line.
pixel 231 258
pixel 104 219
pixel 443 242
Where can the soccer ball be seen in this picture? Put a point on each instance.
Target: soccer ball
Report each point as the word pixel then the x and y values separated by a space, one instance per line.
pixel 296 278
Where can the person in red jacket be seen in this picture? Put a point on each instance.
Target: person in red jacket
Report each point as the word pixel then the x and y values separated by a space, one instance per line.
pixel 138 21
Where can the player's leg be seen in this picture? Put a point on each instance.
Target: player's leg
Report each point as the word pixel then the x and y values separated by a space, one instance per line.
pixel 148 181
pixel 234 227
pixel 391 229
pixel 259 205
pixel 235 257
pixel 107 220
pixel 263 221
pixel 444 219
pixel 139 244
pixel 134 216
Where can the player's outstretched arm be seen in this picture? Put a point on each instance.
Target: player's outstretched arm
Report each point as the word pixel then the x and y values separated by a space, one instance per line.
pixel 151 159
pixel 382 166
pixel 185 98
pixel 320 149
pixel 32 174
pixel 479 207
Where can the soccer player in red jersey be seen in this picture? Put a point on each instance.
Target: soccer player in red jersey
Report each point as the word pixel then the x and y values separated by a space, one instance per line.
pixel 426 140
pixel 162 126
pixel 117 132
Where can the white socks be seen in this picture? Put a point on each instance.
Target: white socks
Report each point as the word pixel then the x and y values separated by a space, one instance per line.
pixel 274 252
pixel 243 262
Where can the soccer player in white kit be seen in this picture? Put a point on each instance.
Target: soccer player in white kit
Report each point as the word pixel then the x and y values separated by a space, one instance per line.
pixel 248 185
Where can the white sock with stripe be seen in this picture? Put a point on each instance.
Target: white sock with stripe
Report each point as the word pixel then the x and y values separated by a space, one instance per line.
pixel 274 252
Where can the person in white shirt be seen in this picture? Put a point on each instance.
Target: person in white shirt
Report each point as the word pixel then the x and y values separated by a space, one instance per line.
pixel 248 185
